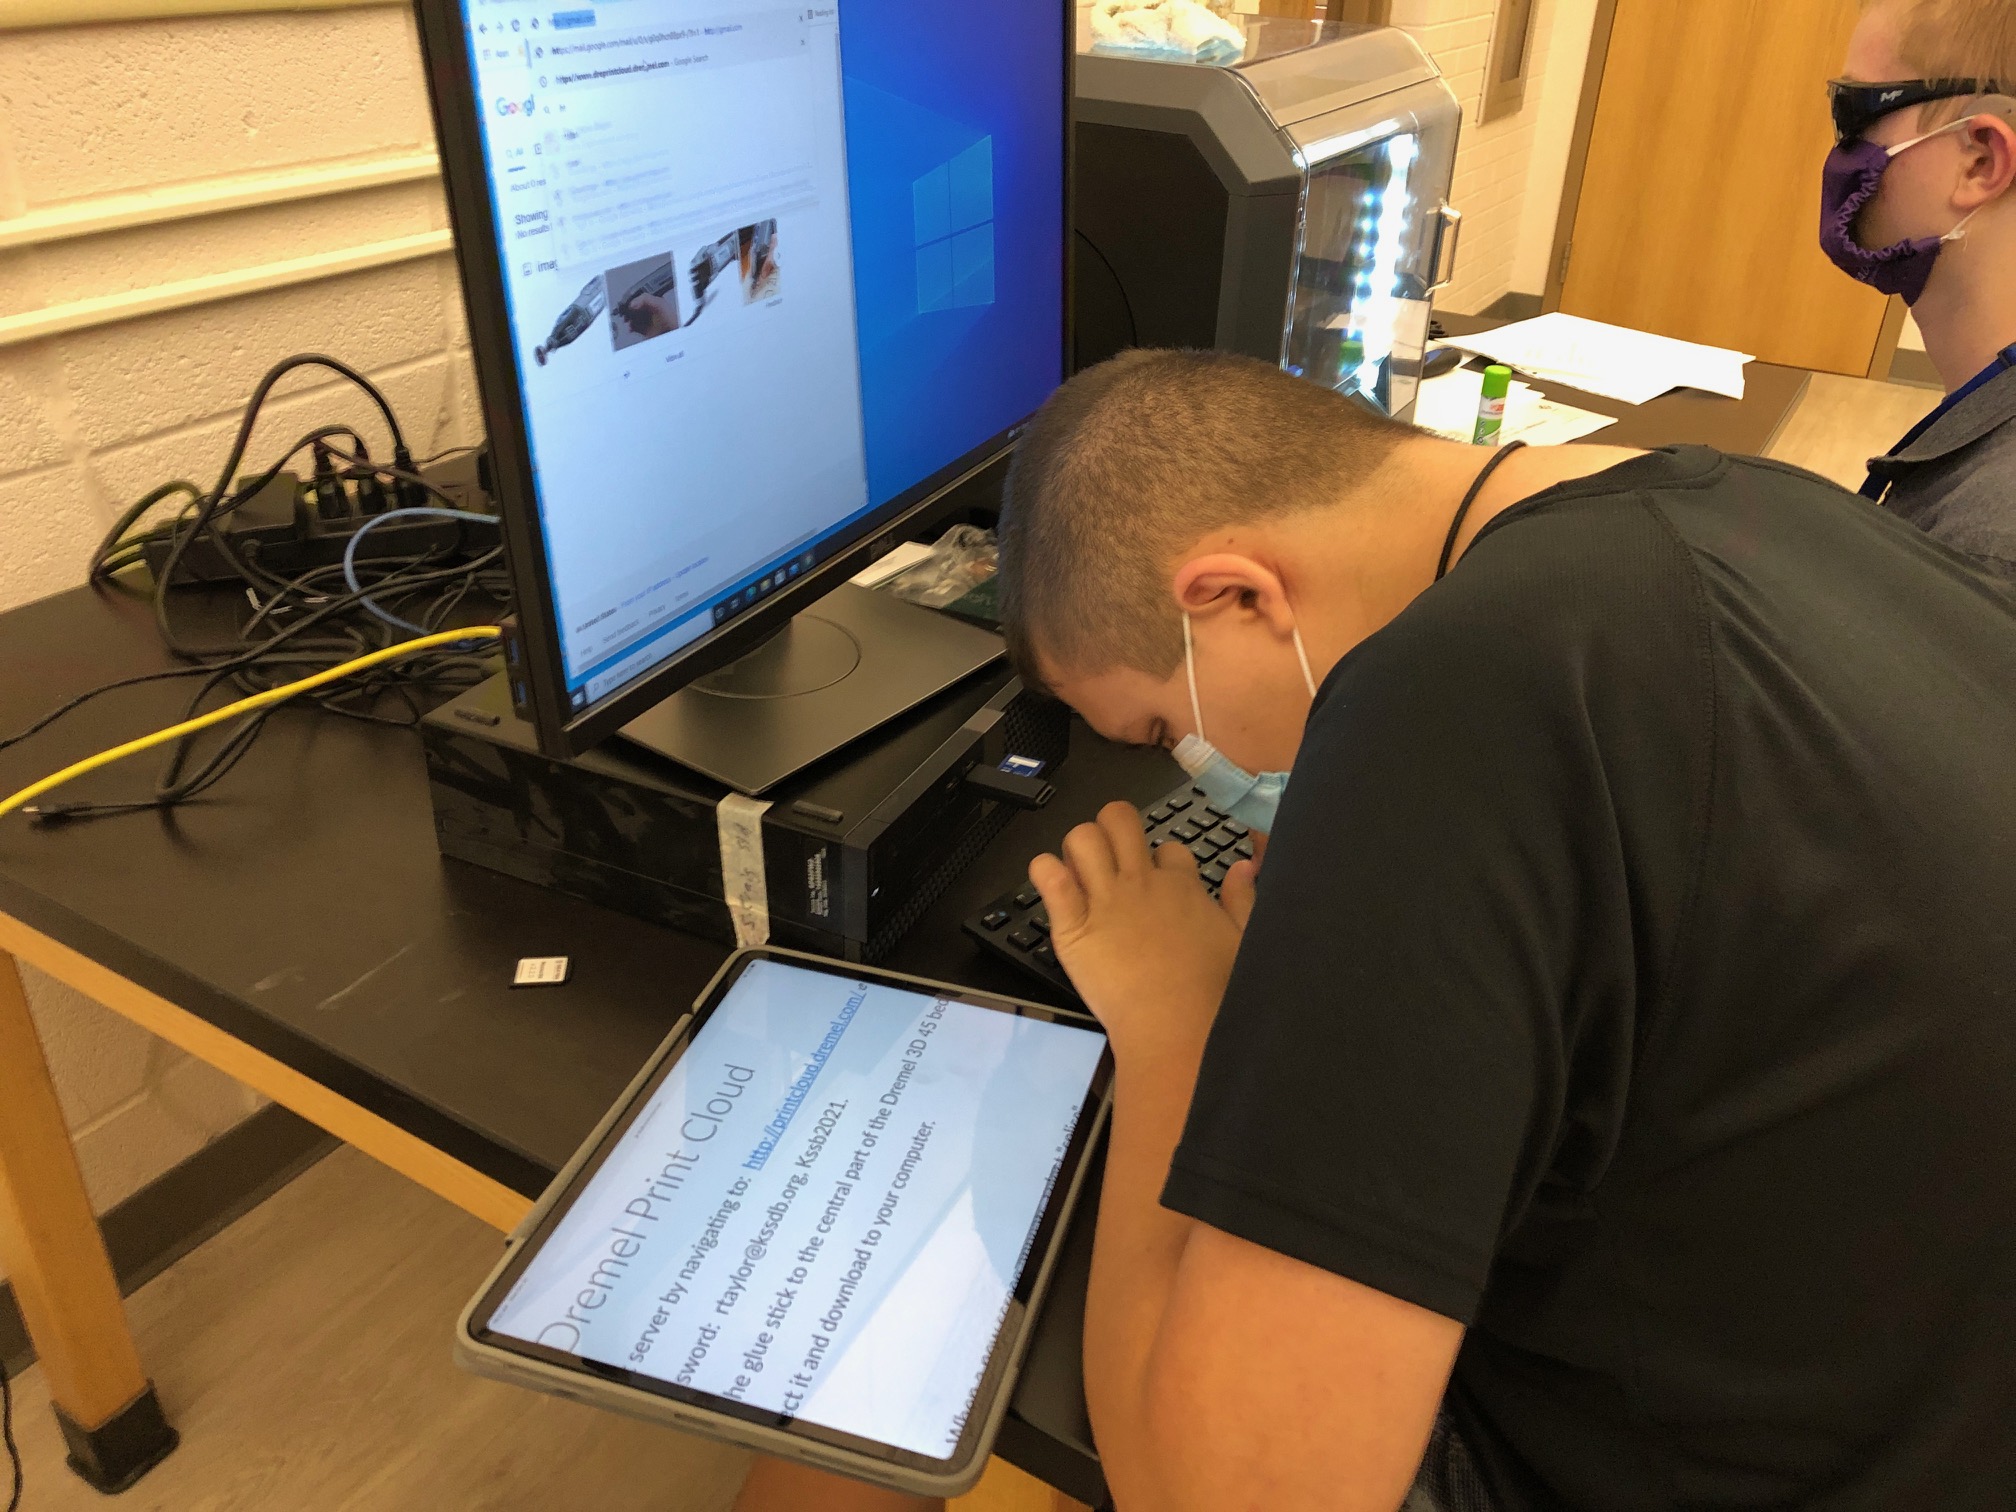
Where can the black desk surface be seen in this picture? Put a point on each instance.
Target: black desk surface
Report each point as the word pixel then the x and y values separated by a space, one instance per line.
pixel 302 907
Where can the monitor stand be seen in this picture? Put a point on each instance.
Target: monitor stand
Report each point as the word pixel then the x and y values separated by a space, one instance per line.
pixel 853 661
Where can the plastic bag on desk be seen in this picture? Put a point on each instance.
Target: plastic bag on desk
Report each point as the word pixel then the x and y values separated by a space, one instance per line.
pixel 1185 30
pixel 964 558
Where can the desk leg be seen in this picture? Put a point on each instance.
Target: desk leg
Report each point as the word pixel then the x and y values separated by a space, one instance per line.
pixel 55 1257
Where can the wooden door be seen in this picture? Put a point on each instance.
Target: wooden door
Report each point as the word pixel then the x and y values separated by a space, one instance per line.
pixel 1699 206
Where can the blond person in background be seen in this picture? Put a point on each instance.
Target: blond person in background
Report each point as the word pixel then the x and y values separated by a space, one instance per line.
pixel 1920 201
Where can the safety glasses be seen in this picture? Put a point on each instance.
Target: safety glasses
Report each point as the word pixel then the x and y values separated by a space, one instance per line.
pixel 1858 106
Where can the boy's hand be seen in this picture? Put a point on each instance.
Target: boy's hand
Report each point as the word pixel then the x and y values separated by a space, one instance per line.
pixel 1142 940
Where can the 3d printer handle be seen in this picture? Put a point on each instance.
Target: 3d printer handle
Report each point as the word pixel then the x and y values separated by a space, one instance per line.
pixel 1448 237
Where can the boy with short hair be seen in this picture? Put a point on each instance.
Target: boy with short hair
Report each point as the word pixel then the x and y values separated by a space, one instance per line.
pixel 1920 201
pixel 1603 1098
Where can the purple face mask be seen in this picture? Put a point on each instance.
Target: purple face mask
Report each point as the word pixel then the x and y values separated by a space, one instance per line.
pixel 1853 174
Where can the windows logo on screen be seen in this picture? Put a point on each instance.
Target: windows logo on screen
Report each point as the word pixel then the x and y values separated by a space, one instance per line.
pixel 954 208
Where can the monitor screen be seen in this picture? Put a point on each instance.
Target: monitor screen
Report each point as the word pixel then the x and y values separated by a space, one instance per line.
pixel 772 272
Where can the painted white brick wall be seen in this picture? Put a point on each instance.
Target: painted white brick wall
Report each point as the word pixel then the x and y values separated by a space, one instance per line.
pixel 1508 192
pixel 90 420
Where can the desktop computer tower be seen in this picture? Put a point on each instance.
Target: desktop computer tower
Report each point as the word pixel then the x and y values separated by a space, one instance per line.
pixel 842 857
pixel 1291 205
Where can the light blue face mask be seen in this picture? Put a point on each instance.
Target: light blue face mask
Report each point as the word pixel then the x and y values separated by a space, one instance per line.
pixel 1232 790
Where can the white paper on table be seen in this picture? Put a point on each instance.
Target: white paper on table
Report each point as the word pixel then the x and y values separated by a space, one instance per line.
pixel 1618 363
pixel 900 558
pixel 1448 406
pixel 1551 423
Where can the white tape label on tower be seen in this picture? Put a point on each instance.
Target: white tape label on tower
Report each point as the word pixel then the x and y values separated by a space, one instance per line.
pixel 740 823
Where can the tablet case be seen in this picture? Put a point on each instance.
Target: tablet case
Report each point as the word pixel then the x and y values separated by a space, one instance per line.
pixel 497 1363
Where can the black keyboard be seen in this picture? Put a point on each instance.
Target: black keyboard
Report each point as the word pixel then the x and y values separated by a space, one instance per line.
pixel 1016 927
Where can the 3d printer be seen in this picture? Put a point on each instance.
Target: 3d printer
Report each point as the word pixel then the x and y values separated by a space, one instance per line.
pixel 1290 203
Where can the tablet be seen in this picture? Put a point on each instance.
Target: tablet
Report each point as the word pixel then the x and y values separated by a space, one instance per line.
pixel 817 1224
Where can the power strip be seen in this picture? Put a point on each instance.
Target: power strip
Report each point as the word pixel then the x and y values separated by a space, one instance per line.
pixel 288 528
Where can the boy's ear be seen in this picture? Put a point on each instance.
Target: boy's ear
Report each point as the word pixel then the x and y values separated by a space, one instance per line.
pixel 1991 167
pixel 1224 582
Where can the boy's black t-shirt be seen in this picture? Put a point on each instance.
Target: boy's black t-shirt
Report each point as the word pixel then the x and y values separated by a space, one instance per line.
pixel 1633 979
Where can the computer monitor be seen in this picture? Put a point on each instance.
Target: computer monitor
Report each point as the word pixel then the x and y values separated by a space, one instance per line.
pixel 751 285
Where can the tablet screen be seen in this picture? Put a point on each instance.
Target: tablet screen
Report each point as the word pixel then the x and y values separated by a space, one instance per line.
pixel 823 1209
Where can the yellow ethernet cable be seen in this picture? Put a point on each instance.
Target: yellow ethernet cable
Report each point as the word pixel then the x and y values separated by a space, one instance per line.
pixel 257 701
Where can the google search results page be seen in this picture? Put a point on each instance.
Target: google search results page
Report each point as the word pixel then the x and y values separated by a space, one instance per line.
pixel 679 272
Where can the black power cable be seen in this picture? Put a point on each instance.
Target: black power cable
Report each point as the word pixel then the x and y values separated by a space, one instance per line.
pixel 1133 326
pixel 119 551
pixel 290 654
pixel 115 538
pixel 215 501
pixel 299 625
pixel 324 611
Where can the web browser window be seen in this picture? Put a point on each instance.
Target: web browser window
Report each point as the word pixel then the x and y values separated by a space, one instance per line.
pixel 671 185
pixel 767 267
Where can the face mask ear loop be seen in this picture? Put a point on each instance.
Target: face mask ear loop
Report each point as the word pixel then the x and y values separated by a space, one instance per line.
pixel 1903 147
pixel 1190 667
pixel 1303 657
pixel 1959 232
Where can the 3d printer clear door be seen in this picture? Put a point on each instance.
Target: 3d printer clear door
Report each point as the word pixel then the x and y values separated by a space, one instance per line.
pixel 1375 226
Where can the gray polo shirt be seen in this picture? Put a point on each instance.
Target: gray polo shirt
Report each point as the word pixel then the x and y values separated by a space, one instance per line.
pixel 1954 477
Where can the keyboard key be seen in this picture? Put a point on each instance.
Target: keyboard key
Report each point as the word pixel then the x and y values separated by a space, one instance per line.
pixel 1205 850
pixel 1176 803
pixel 1044 954
pixel 1239 831
pixel 1244 850
pixel 994 918
pixel 1224 836
pixel 1161 814
pixel 1028 898
pixel 1026 939
pixel 1040 922
pixel 1216 816
pixel 1185 832
pixel 1213 874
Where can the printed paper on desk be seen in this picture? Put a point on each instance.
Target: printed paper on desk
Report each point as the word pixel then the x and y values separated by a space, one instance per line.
pixel 1618 363
pixel 1448 407
pixel 1551 423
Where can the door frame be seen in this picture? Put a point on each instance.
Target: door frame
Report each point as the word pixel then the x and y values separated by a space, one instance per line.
pixel 1578 152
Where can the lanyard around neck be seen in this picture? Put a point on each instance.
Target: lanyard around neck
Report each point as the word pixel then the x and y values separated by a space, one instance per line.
pixel 1470 498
